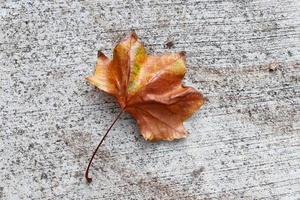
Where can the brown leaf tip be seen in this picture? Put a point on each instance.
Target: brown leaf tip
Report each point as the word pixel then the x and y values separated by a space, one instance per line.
pixel 182 53
pixel 100 54
pixel 134 35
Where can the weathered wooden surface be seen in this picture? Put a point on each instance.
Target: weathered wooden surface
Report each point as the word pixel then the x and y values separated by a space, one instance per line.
pixel 244 143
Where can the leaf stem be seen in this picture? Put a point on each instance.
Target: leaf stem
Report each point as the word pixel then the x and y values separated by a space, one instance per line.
pixel 108 130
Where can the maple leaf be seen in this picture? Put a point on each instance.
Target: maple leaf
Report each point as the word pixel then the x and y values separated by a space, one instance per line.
pixel 149 88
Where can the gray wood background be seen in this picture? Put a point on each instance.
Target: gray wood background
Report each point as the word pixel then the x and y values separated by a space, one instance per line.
pixel 244 55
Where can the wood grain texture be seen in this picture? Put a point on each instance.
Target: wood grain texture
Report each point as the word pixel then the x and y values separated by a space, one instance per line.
pixel 243 55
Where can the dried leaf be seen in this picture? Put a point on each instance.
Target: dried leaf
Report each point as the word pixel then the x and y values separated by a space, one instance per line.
pixel 149 88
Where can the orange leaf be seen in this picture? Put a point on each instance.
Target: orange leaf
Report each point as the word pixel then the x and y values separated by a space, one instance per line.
pixel 149 88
